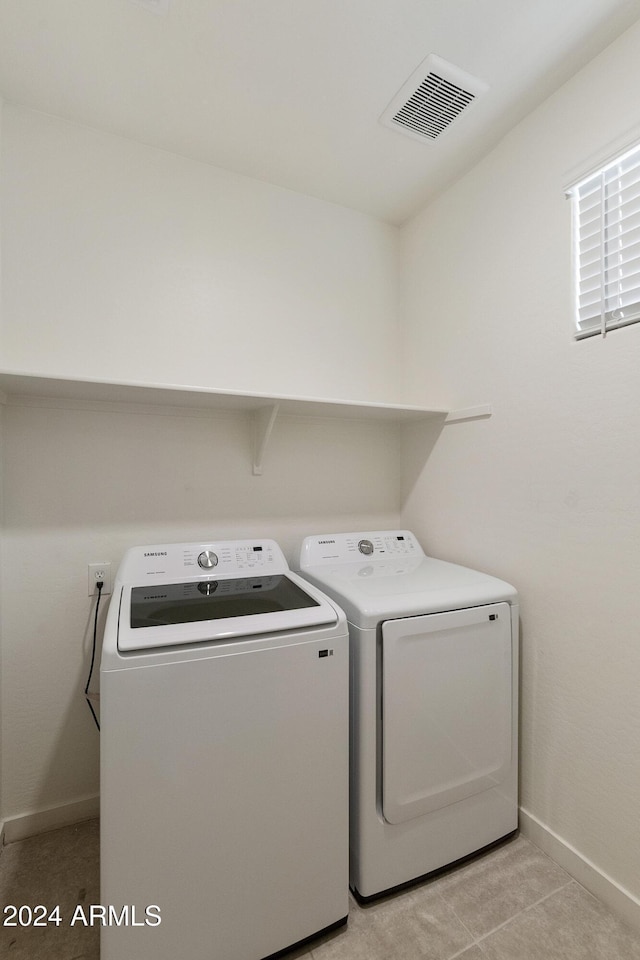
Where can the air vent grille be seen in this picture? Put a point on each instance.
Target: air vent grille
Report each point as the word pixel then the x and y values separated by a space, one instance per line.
pixel 433 97
pixel 435 104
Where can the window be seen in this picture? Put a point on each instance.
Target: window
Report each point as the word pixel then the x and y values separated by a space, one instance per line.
pixel 606 209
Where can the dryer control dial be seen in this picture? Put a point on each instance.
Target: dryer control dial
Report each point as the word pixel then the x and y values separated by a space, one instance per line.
pixel 207 559
pixel 366 547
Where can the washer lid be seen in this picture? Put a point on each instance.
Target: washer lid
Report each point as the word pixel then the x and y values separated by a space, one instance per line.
pixel 407 584
pixel 159 615
pixel 186 593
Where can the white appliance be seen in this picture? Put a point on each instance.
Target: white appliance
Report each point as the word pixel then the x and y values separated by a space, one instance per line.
pixel 224 755
pixel 434 670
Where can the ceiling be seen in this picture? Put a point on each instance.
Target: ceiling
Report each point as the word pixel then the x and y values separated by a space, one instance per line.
pixel 291 91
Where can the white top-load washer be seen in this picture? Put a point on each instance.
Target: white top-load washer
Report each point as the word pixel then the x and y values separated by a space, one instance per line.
pixel 434 671
pixel 224 755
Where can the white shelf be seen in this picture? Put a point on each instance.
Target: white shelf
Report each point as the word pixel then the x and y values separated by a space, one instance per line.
pixel 265 408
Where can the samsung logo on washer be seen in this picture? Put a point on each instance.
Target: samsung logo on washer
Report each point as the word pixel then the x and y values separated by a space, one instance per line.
pixel 159 553
pixel 326 541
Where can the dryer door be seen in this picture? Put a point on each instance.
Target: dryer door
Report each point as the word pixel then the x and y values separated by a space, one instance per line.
pixel 446 708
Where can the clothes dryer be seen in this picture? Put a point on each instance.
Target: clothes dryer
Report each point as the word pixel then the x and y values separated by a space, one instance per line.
pixel 224 755
pixel 434 711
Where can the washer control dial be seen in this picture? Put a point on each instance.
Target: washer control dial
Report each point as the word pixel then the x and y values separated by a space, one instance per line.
pixel 207 559
pixel 366 547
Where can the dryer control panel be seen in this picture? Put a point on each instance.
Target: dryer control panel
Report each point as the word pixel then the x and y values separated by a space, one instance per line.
pixel 370 545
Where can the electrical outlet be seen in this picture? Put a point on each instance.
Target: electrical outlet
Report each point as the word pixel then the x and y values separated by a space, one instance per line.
pixel 99 571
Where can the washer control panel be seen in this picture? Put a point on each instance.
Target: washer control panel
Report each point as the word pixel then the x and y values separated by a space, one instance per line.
pixel 348 547
pixel 223 558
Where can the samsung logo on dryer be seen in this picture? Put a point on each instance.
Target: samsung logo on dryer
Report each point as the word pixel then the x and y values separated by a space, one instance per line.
pixel 326 541
pixel 158 553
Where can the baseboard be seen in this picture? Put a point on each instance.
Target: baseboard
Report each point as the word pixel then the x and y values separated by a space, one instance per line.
pixel 29 824
pixel 603 887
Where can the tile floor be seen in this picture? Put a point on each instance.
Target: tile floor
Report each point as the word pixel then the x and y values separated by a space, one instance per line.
pixel 512 903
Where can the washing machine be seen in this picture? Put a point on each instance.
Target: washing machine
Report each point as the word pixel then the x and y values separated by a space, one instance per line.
pixel 224 755
pixel 434 671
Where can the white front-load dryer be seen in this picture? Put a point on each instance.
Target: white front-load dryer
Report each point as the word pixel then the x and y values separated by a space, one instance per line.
pixel 434 713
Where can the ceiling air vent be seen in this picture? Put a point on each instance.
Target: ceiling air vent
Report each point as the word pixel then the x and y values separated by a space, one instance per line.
pixel 435 95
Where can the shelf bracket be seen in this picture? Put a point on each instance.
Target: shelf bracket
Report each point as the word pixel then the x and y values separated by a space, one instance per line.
pixel 263 421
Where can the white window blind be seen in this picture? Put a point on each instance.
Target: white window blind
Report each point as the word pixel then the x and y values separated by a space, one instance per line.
pixel 607 246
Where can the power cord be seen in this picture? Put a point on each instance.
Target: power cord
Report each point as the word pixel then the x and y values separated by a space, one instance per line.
pixel 99 586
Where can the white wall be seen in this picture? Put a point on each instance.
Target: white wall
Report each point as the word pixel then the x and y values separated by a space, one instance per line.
pixel 128 263
pixel 545 494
